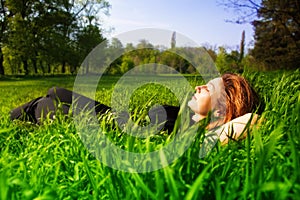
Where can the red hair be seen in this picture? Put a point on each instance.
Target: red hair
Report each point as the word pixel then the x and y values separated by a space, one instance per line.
pixel 240 97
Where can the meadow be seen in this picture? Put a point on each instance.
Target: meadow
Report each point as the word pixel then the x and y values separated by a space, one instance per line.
pixel 50 161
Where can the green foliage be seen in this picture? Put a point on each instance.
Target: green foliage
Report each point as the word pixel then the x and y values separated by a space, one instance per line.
pixel 185 60
pixel 50 161
pixel 276 24
pixel 277 34
pixel 126 65
pixel 41 37
pixel 88 38
pixel 228 62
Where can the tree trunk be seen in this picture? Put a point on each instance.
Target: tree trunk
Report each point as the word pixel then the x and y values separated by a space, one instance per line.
pixel 42 67
pixel 34 66
pixel 25 65
pixel 1 64
pixel 48 68
pixel 242 47
pixel 63 68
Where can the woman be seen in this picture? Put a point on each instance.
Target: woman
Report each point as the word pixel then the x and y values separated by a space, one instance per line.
pixel 232 102
pixel 230 99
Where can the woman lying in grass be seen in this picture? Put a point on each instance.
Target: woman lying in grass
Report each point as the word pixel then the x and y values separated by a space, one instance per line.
pixel 233 104
pixel 230 99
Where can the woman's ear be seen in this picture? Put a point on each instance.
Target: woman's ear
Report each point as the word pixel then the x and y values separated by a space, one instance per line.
pixel 218 113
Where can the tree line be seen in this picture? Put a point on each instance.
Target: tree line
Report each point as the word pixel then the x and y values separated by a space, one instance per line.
pixel 185 60
pixel 48 36
pixel 54 36
pixel 276 25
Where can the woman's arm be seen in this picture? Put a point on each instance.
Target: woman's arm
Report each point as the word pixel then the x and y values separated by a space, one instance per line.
pixel 235 129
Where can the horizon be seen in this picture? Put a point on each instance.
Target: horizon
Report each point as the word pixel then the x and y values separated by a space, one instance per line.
pixel 192 23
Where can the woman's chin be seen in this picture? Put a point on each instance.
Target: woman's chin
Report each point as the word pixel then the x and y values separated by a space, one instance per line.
pixel 193 109
pixel 192 105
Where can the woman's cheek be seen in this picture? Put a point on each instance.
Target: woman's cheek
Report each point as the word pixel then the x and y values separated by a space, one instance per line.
pixel 204 105
pixel 193 105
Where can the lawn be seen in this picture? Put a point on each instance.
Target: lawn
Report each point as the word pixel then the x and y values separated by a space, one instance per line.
pixel 51 161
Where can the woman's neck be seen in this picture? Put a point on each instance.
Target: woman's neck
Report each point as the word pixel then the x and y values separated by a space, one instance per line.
pixel 213 124
pixel 197 117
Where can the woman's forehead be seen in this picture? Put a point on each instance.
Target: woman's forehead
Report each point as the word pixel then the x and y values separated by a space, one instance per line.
pixel 216 82
pixel 216 86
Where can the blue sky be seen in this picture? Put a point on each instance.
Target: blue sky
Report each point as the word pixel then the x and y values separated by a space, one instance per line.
pixel 203 21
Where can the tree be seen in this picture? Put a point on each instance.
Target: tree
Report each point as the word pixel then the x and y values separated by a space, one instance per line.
pixel 173 40
pixel 44 35
pixel 126 65
pixel 113 56
pixel 88 38
pixel 242 47
pixel 4 15
pixel 227 62
pixel 277 34
pixel 245 10
pixel 21 33
pixel 79 13
pixel 277 30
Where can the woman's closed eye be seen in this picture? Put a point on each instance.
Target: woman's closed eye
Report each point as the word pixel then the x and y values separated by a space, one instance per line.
pixel 211 88
pixel 202 87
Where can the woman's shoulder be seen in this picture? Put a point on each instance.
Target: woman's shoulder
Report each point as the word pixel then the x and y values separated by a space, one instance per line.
pixel 235 129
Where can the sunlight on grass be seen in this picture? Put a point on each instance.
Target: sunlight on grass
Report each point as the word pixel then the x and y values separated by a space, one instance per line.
pixel 50 161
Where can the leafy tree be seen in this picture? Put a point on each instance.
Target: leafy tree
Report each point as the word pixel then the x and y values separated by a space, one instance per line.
pixel 227 62
pixel 211 52
pixel 242 47
pixel 277 34
pixel 168 58
pixel 126 65
pixel 4 15
pixel 174 59
pixel 88 38
pixel 114 54
pixel 77 14
pixel 277 30
pixel 145 53
pixel 222 61
pixel 173 40
pixel 22 33
pixel 46 35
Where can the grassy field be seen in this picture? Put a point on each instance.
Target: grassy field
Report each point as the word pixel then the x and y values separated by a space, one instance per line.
pixel 51 162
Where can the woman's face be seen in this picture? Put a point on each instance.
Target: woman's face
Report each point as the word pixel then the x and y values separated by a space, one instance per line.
pixel 204 100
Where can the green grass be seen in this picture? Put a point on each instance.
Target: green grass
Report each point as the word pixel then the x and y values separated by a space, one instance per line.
pixel 51 162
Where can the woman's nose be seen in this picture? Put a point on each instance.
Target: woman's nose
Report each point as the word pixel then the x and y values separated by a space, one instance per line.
pixel 198 88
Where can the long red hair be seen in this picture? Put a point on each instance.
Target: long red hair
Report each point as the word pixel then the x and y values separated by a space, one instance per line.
pixel 239 98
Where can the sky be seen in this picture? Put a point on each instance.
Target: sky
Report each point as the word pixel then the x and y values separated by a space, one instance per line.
pixel 202 21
